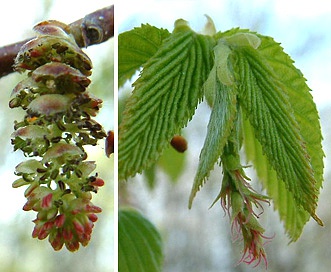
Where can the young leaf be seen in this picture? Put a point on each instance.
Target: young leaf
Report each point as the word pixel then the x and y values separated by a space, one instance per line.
pixel 301 101
pixel 219 128
pixel 264 97
pixel 140 245
pixel 164 99
pixel 293 216
pixel 135 47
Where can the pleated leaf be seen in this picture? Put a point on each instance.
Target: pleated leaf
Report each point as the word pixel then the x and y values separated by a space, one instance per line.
pixel 135 47
pixel 264 96
pixel 293 215
pixel 219 128
pixel 164 99
pixel 301 100
pixel 139 243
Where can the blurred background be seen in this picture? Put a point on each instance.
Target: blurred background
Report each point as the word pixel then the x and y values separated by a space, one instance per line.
pixel 200 239
pixel 18 250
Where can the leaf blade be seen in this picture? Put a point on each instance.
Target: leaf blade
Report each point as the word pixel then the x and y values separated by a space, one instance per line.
pixel 267 107
pixel 163 101
pixel 293 216
pixel 219 128
pixel 299 94
pixel 135 47
pixel 140 245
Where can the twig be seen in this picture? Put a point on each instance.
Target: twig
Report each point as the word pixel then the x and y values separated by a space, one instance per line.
pixel 94 28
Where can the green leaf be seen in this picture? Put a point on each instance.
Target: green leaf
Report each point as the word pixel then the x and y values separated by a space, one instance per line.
pixel 264 99
pixel 293 216
pixel 150 177
pixel 139 243
pixel 172 163
pixel 221 122
pixel 283 117
pixel 301 101
pixel 164 99
pixel 135 47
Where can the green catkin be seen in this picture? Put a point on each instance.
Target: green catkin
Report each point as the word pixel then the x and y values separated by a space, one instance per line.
pixel 57 125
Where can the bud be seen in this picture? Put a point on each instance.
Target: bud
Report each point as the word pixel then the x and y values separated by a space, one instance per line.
pixel 109 143
pixel 179 143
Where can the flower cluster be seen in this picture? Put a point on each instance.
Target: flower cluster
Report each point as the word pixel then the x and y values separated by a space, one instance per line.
pixel 238 199
pixel 56 127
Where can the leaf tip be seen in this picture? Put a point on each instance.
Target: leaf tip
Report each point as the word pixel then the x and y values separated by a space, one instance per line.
pixel 317 219
pixel 190 201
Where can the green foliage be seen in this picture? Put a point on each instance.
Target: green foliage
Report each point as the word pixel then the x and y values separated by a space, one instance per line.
pixel 177 165
pixel 173 170
pixel 264 100
pixel 219 129
pixel 140 245
pixel 137 47
pixel 164 99
pixel 294 216
pixel 294 114
pixel 259 101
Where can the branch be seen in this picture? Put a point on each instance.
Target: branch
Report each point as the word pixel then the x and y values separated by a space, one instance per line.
pixel 94 28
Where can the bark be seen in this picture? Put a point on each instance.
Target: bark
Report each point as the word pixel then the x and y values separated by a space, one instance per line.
pixel 96 27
